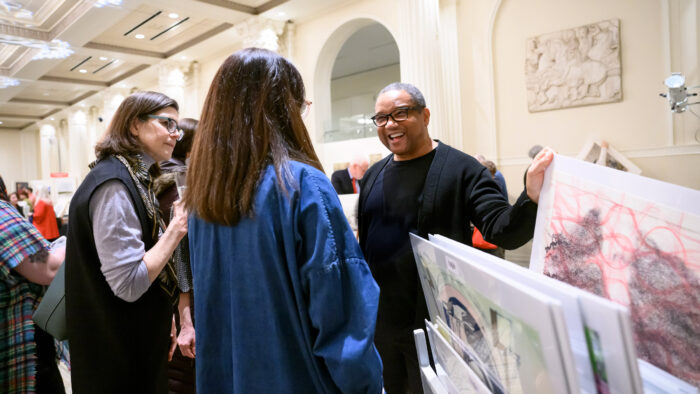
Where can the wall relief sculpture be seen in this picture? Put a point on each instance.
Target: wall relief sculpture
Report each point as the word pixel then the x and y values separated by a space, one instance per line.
pixel 574 67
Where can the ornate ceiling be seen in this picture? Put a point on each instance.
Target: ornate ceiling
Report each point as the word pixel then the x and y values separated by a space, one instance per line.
pixel 100 43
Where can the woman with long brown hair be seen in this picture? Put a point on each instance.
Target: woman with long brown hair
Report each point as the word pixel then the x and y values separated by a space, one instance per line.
pixel 284 301
pixel 120 284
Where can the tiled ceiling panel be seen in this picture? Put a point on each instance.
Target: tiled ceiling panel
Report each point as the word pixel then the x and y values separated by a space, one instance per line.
pixel 10 53
pixel 67 93
pixel 23 109
pixel 91 68
pixel 249 3
pixel 13 123
pixel 37 14
pixel 162 30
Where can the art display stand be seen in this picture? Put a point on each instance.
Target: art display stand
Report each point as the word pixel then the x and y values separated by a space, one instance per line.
pixel 496 327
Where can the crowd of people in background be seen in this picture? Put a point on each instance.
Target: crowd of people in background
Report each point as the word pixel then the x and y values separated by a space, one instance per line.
pixel 224 239
pixel 36 208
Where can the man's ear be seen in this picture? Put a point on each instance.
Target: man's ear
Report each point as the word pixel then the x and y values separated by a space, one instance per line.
pixel 426 116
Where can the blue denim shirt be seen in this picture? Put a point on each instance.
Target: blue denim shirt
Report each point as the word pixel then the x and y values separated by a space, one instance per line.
pixel 284 301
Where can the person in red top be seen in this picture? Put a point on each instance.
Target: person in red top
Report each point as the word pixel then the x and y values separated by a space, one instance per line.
pixel 45 216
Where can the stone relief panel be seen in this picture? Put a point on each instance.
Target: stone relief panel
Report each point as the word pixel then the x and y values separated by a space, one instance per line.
pixel 574 67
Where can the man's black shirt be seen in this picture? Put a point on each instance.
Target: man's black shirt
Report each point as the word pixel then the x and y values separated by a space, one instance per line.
pixel 393 206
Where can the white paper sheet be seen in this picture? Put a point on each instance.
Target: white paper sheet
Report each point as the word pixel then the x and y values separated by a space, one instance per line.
pixel 514 330
pixel 633 240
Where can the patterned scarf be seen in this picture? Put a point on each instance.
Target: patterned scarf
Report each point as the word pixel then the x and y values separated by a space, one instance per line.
pixel 143 179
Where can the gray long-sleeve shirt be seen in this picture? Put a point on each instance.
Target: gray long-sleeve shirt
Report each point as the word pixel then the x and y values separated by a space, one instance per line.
pixel 117 232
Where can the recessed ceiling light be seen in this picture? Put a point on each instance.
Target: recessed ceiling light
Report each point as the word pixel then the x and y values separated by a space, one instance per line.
pixel 281 13
pixel 183 57
pixel 103 58
pixel 82 71
pixel 0 121
pixel 139 36
pixel 51 118
pixel 173 15
pixel 45 93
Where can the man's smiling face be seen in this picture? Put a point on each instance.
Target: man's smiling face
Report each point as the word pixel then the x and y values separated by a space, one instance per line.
pixel 406 139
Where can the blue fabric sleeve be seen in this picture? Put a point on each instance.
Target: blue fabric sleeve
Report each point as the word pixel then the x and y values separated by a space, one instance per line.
pixel 342 295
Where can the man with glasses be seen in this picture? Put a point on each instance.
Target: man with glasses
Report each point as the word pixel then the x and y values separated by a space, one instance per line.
pixel 426 187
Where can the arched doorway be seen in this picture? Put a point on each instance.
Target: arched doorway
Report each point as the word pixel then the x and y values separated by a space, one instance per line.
pixel 367 61
pixel 333 150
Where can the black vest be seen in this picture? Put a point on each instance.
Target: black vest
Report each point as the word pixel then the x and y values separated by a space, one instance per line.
pixel 116 346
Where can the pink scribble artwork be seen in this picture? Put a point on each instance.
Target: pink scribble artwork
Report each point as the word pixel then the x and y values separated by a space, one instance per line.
pixel 635 252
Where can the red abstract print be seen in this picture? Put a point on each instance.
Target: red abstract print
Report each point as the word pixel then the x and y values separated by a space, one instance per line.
pixel 639 254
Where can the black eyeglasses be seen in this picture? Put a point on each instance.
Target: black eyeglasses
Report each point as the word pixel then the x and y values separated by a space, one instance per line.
pixel 398 115
pixel 171 126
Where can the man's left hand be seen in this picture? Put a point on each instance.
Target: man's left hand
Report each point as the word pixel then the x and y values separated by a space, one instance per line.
pixel 535 174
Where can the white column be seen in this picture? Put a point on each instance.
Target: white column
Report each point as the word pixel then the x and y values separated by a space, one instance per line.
pixel 171 80
pixel 62 142
pixel 48 149
pixel 111 99
pixel 94 132
pixel 260 33
pixel 77 143
pixel 451 76
pixel 287 41
pixel 32 158
pixel 191 106
pixel 421 59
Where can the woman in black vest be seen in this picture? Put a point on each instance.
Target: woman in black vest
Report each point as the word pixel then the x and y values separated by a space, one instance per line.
pixel 120 283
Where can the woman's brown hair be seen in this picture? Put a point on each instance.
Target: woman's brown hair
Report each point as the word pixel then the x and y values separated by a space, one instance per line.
pixel 251 118
pixel 184 146
pixel 118 139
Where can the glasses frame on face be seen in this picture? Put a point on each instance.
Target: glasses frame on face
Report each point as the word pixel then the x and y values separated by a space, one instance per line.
pixel 172 127
pixel 397 115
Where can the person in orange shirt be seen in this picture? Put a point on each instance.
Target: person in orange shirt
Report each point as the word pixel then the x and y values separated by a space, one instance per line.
pixel 45 216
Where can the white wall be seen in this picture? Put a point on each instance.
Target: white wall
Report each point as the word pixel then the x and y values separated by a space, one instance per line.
pixel 356 94
pixel 207 70
pixel 498 124
pixel 368 82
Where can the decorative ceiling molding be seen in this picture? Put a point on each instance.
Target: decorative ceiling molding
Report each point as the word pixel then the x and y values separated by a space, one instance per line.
pixel 40 102
pixel 129 73
pixel 269 5
pixel 49 89
pixel 52 112
pixel 22 127
pixel 72 81
pixel 231 5
pixel 24 32
pixel 70 18
pixel 21 117
pixel 82 97
pixel 218 29
pixel 119 49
